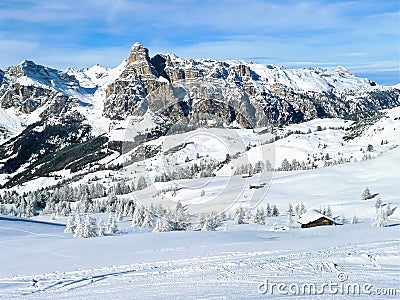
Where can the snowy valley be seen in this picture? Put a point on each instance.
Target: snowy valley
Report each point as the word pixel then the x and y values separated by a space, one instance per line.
pixel 186 179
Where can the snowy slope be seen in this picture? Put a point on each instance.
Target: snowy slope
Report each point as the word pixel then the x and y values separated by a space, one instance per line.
pixel 238 258
pixel 9 121
pixel 97 75
pixel 310 79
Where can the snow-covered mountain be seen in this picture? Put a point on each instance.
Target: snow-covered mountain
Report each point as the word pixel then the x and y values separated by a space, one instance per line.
pixel 227 155
pixel 53 120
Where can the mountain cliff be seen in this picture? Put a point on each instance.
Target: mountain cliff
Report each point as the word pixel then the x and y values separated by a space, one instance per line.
pixel 51 119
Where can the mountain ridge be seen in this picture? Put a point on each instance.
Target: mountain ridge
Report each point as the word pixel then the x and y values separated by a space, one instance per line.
pixel 161 93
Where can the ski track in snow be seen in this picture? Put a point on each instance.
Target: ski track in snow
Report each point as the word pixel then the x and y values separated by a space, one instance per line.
pixel 231 275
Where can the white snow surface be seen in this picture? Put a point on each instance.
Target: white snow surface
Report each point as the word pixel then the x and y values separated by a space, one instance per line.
pixel 40 261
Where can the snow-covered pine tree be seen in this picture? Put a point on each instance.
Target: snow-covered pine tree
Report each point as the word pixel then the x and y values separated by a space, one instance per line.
pixel 101 230
pixel 79 225
pixel 70 227
pixel 211 222
pixel 290 210
pixel 259 217
pixel 162 225
pixel 380 218
pixel 268 211
pixel 366 194
pixel 247 213
pixel 137 218
pixel 181 217
pixel 289 215
pixel 118 216
pixel 131 210
pixel 285 165
pixel 223 216
pixel 148 220
pixel 297 210
pixel 328 212
pixel 89 227
pixel 239 216
pixel 378 203
pixel 275 211
pixel 303 209
pixel 111 226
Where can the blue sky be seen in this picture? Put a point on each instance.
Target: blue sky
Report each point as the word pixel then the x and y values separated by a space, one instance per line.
pixel 363 36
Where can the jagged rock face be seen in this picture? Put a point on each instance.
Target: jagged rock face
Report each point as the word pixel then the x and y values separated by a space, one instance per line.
pixel 190 89
pixel 137 80
pixel 138 52
pixel 29 98
pixel 29 86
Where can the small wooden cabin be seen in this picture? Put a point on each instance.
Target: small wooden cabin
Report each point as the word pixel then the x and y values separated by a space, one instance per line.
pixel 314 218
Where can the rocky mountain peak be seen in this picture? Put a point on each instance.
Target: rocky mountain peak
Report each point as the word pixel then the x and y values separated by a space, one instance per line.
pixel 138 52
pixel 343 71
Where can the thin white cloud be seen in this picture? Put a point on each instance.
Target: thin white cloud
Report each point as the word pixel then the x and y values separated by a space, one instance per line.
pixel 378 66
pixel 354 54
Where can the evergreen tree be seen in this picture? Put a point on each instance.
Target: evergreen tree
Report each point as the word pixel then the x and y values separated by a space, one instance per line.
pixel 303 209
pixel 181 217
pixel 79 227
pixel 211 222
pixel 366 194
pixel 380 218
pixel 148 220
pixel 259 217
pixel 119 216
pixel 111 226
pixel 328 212
pixel 378 203
pixel 70 227
pixel 89 227
pixel 137 218
pixel 275 211
pixel 239 216
pixel 162 225
pixel 298 211
pixel 101 230
pixel 290 210
pixel 268 211
pixel 285 165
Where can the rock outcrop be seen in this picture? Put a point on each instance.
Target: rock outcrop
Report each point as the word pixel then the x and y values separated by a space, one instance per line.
pixel 188 90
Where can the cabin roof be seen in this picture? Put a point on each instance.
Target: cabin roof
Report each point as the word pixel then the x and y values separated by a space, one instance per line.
pixel 311 216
